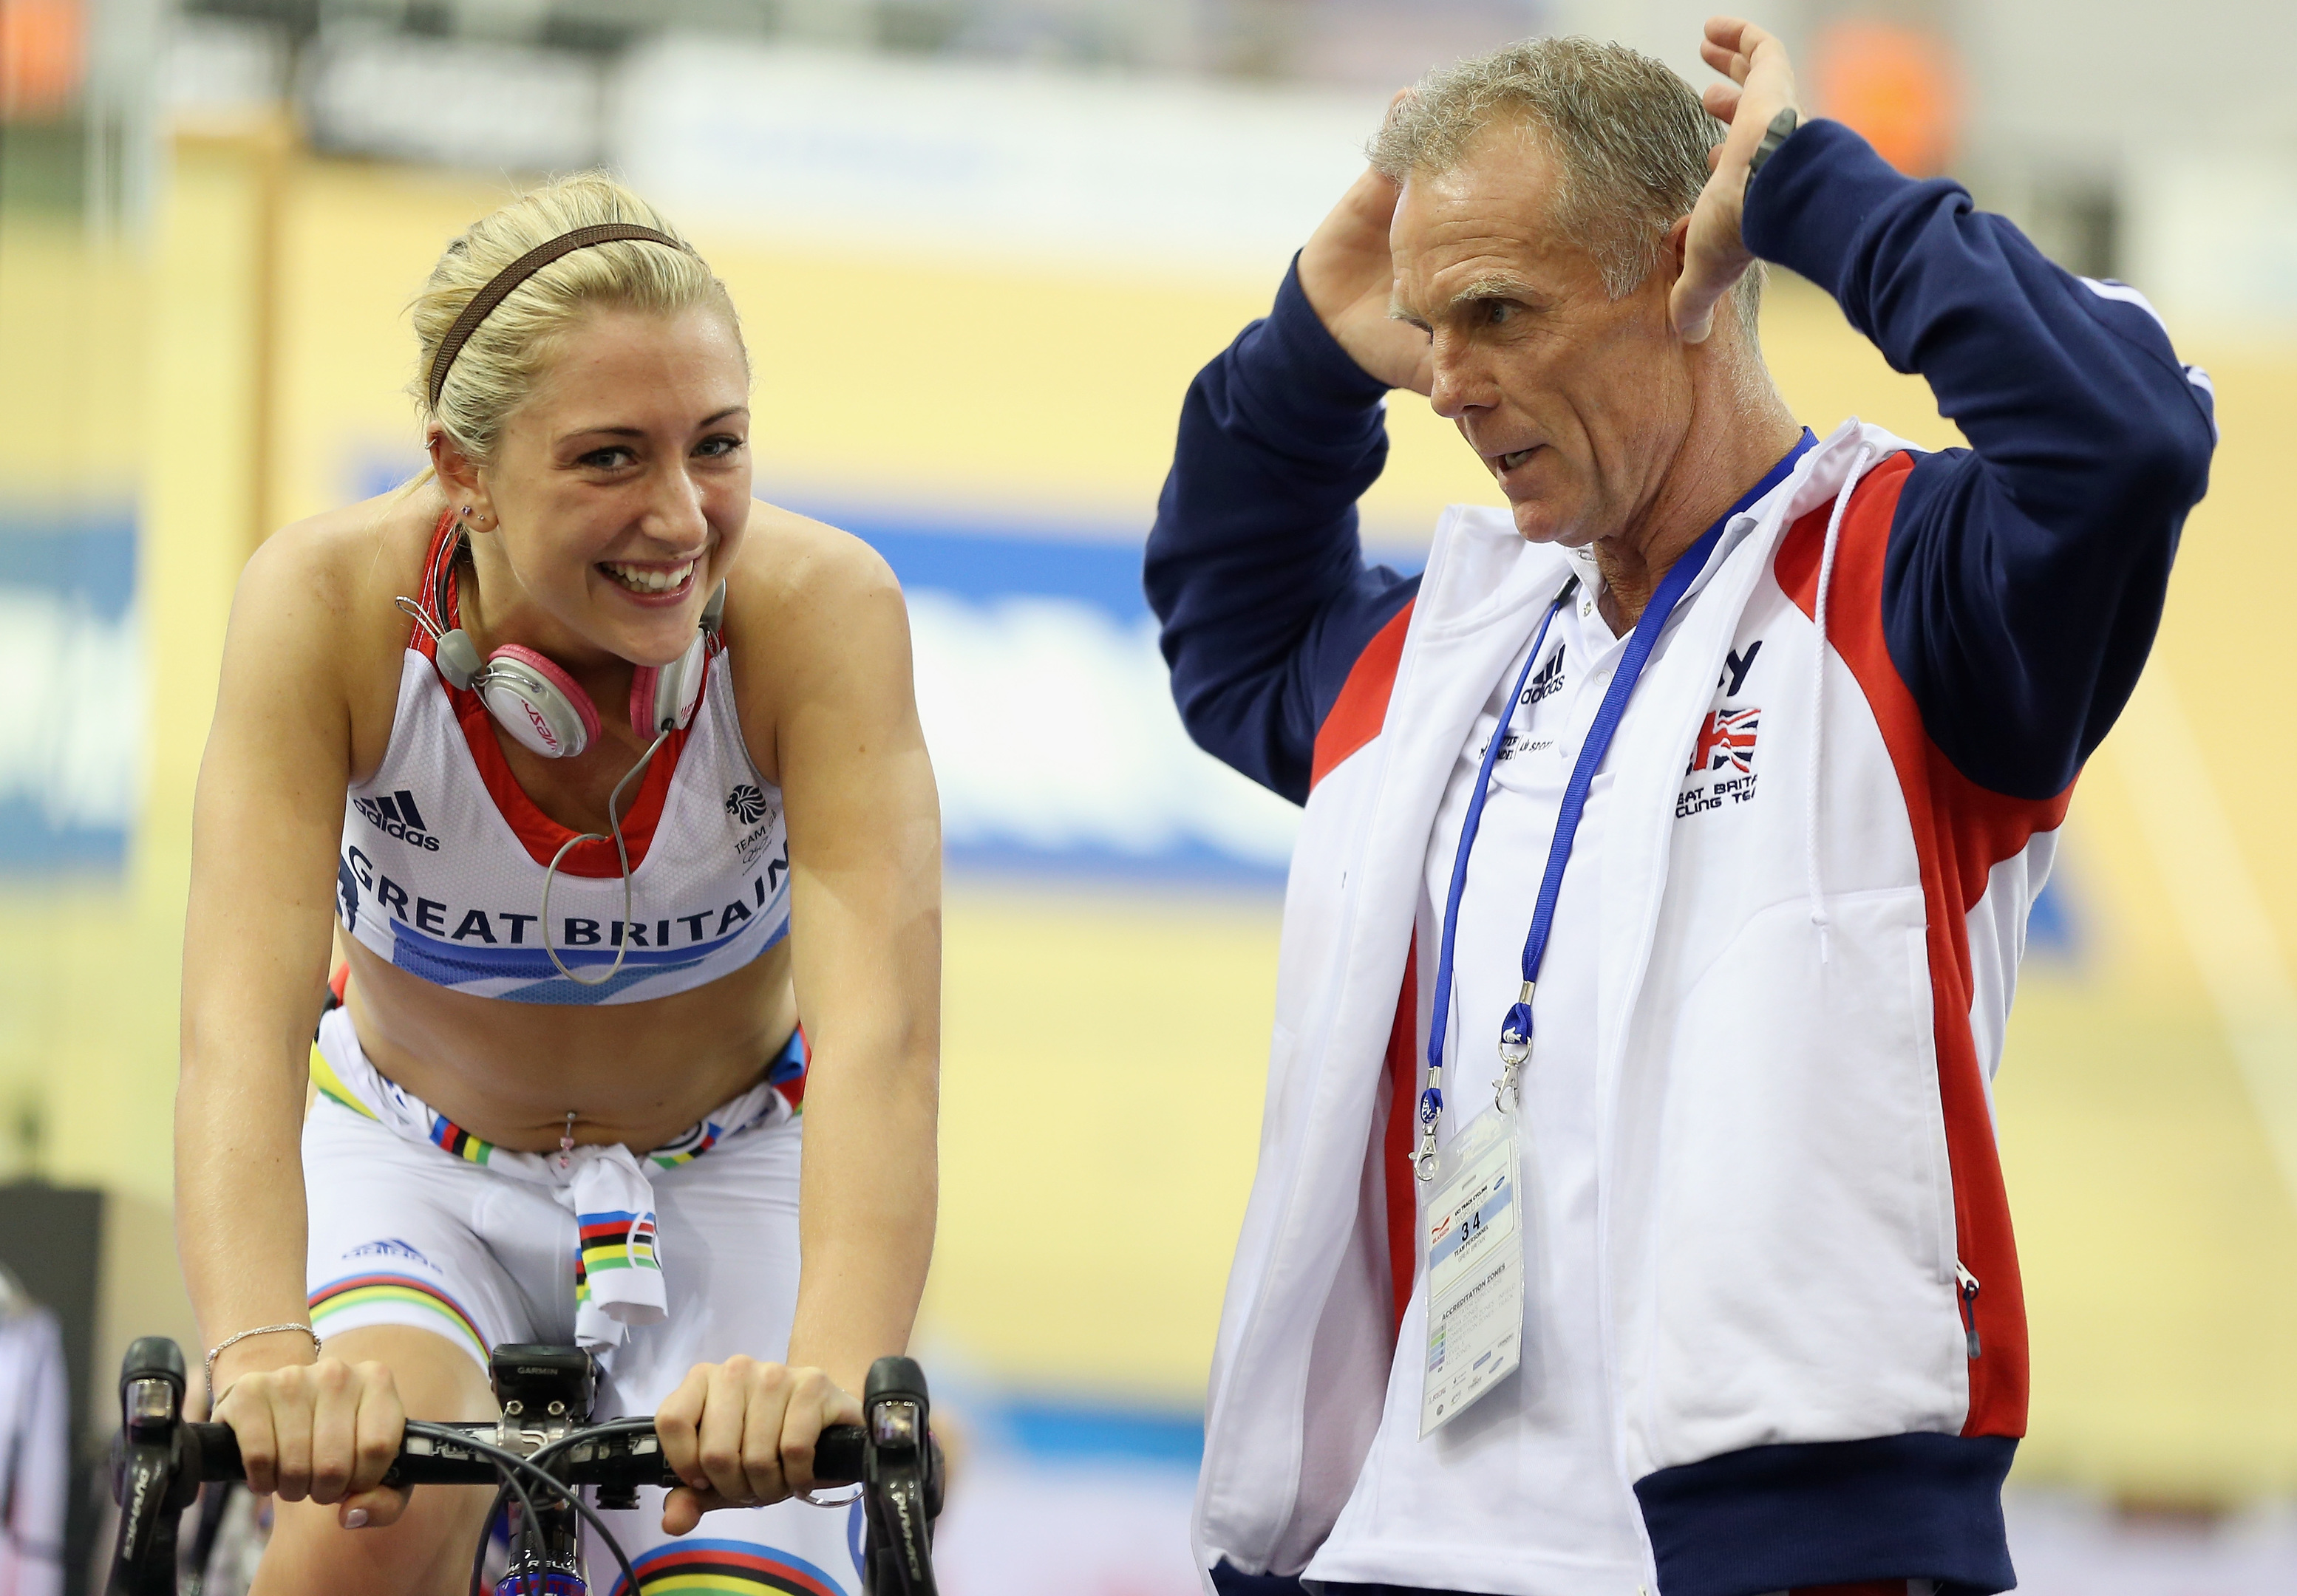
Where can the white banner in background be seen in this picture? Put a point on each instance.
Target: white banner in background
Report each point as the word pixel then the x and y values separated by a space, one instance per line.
pixel 1053 730
pixel 72 728
pixel 988 159
pixel 492 107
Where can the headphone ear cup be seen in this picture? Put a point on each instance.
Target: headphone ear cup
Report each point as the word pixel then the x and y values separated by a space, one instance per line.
pixel 662 697
pixel 537 703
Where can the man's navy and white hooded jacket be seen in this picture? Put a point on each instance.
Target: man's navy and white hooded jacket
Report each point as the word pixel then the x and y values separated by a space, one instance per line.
pixel 1814 1332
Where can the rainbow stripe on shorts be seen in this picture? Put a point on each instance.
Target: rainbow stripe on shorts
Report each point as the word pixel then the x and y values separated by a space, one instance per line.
pixel 447 1134
pixel 338 1298
pixel 725 1568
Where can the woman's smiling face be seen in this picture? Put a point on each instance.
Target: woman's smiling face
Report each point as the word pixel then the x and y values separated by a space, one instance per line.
pixel 620 487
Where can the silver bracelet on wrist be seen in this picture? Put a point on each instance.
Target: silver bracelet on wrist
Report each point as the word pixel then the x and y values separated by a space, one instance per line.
pixel 218 1349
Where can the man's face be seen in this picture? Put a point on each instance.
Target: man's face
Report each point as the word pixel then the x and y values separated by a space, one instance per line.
pixel 1574 401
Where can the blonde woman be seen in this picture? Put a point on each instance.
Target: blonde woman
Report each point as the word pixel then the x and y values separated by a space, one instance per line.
pixel 609 775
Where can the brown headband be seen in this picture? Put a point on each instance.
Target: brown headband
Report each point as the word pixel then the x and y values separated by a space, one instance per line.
pixel 482 303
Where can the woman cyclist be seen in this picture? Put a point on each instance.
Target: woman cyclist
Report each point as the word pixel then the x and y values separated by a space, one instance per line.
pixel 557 1101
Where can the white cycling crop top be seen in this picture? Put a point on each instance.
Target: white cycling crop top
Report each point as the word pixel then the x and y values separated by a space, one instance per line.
pixel 443 854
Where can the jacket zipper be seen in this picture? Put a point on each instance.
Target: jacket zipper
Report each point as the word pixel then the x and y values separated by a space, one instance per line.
pixel 1966 1294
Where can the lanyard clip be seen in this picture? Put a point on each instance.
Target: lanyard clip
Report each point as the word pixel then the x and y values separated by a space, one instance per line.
pixel 1431 1112
pixel 1515 1048
pixel 1515 1030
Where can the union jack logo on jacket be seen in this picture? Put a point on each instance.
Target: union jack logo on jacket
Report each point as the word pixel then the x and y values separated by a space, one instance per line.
pixel 1727 737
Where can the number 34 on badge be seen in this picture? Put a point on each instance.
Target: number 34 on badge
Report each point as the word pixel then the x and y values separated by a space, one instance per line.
pixel 1471 1242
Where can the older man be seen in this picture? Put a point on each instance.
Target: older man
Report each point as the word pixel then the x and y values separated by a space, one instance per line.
pixel 1668 844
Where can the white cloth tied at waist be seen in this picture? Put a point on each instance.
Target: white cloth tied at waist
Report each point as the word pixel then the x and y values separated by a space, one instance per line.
pixel 617 1259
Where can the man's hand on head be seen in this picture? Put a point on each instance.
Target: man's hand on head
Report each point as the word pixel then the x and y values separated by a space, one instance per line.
pixel 1349 277
pixel 1761 85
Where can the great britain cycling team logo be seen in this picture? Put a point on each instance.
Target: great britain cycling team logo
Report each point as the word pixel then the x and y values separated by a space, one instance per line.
pixel 747 805
pixel 1721 762
pixel 1723 757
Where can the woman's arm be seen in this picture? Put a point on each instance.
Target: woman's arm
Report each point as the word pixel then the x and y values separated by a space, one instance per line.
pixel 819 644
pixel 865 914
pixel 265 824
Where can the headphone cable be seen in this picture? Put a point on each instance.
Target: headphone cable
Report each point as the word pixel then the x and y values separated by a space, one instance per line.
pixel 622 852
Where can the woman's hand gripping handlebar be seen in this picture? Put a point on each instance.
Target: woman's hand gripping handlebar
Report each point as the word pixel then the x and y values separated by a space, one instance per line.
pixel 160 1461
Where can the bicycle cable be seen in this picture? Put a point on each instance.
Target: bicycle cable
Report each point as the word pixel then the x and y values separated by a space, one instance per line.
pixel 538 1460
pixel 501 1456
pixel 540 1456
pixel 509 1482
pixel 486 1539
pixel 486 1533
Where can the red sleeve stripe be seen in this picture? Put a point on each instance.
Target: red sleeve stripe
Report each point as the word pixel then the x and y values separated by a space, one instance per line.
pixel 1400 1184
pixel 1962 831
pixel 1360 710
pixel 1354 719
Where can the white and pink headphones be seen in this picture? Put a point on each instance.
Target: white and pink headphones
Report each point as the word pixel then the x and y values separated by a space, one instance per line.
pixel 546 710
pixel 541 706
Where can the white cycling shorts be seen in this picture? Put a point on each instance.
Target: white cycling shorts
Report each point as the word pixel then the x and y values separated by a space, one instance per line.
pixel 405 1232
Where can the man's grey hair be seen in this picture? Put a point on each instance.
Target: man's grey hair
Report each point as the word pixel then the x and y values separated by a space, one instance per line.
pixel 1628 137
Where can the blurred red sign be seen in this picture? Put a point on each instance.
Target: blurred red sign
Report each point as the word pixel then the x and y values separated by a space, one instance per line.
pixel 42 56
pixel 1900 86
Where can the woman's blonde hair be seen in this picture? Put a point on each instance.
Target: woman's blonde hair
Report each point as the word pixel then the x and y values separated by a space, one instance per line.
pixel 496 370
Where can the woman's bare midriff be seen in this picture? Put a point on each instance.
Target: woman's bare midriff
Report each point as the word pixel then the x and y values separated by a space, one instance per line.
pixel 637 1074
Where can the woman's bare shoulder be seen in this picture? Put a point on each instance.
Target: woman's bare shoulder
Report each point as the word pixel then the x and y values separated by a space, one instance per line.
pixel 813 616
pixel 337 573
pixel 794 567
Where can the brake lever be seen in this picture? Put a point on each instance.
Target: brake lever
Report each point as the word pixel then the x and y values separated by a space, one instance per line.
pixel 150 1480
pixel 140 1483
pixel 900 1480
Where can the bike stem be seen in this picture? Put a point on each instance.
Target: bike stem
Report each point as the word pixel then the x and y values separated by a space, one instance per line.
pixel 545 1392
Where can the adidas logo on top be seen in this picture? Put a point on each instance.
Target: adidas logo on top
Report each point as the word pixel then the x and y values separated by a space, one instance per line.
pixel 397 817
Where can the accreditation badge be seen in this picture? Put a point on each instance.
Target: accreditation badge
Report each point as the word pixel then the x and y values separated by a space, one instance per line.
pixel 1471 1240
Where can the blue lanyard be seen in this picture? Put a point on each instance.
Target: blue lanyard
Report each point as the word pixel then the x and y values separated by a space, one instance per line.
pixel 1515 1030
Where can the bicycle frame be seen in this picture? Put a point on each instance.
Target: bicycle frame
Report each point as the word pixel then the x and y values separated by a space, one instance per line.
pixel 540 1451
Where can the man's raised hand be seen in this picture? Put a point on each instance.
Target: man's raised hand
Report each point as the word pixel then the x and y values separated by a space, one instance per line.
pixel 1762 85
pixel 1349 277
